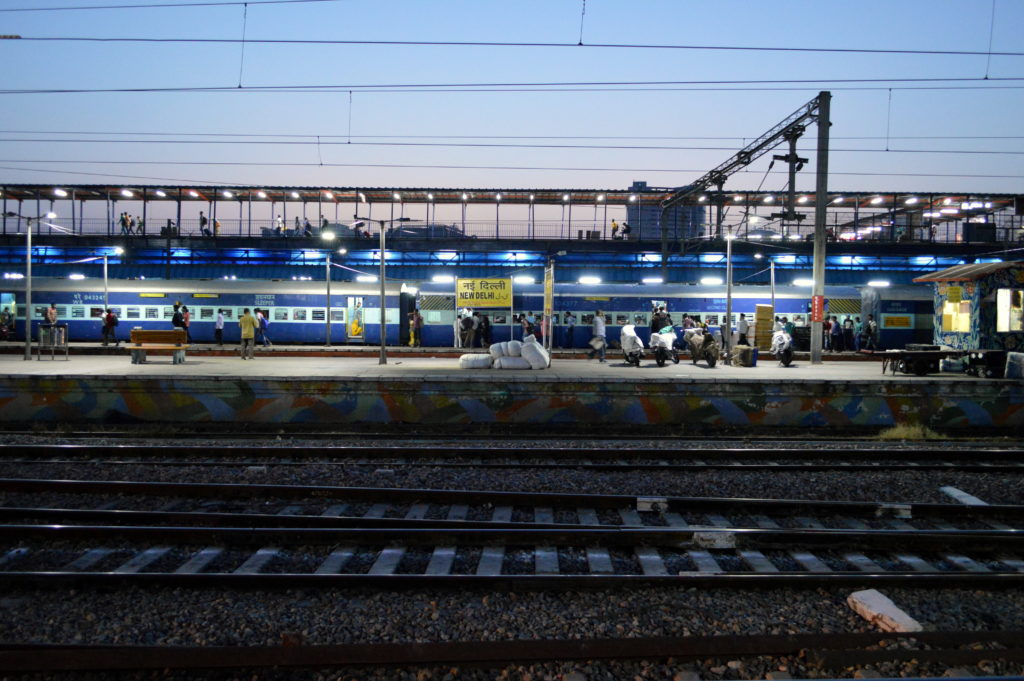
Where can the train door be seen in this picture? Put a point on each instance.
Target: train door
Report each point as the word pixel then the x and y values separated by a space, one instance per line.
pixel 355 319
pixel 406 304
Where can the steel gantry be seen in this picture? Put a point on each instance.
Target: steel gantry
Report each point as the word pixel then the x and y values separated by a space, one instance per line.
pixel 788 130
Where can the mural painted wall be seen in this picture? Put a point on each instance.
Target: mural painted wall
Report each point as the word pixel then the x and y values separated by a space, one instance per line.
pixel 945 404
pixel 981 296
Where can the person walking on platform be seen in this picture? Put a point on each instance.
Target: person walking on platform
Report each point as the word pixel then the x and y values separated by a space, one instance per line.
pixel 261 327
pixel 247 323
pixel 870 334
pixel 109 332
pixel 742 329
pixel 218 328
pixel 598 342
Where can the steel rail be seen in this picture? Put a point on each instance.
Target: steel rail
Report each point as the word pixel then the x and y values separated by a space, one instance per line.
pixel 398 495
pixel 493 452
pixel 525 465
pixel 741 580
pixel 687 538
pixel 816 647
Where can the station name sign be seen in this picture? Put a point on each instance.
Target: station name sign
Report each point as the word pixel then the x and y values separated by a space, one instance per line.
pixel 483 292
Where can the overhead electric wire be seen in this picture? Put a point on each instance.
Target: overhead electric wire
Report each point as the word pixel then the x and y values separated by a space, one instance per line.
pixel 164 5
pixel 477 167
pixel 478 145
pixel 560 86
pixel 487 43
pixel 510 137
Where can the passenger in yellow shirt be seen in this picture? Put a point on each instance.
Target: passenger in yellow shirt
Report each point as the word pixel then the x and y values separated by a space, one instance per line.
pixel 248 325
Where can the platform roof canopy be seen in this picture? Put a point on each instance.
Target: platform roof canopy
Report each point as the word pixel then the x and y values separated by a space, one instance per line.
pixel 902 201
pixel 968 272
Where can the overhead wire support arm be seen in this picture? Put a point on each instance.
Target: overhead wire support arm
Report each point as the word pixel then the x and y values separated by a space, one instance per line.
pixel 806 114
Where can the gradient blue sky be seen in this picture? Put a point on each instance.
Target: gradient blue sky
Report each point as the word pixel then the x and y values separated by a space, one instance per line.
pixel 628 118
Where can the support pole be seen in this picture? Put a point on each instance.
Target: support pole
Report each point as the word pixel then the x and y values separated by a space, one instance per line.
pixel 383 304
pixel 727 330
pixel 328 280
pixel 820 200
pixel 28 289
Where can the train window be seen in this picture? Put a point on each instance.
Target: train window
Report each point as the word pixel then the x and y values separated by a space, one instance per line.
pixel 337 315
pixel 621 319
pixel 587 319
pixel 1009 310
pixel 299 315
pixel 280 314
pixel 152 313
pixel 206 313
pixel 712 320
pixel 431 316
pixel 229 312
pixel 131 313
pixel 956 317
pixel 62 311
pixel 96 312
pixel 78 312
pixel 640 319
pixel 168 312
pixel 319 315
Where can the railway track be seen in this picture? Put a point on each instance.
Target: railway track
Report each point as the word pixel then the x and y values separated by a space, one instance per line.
pixel 776 459
pixel 335 536
pixel 822 651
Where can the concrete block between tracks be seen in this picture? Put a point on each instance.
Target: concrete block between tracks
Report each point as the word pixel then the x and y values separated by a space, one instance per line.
pixel 715 540
pixel 876 608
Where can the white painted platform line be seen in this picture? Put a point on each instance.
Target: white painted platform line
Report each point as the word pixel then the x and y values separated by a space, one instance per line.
pixel 545 558
pixel 876 608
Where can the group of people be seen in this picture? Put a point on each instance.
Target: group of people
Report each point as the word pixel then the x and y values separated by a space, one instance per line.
pixel 472 329
pixel 850 334
pixel 253 330
pixel 131 225
pixel 620 233
pixel 415 329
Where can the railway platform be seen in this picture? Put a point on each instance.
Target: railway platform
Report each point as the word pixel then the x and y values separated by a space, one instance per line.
pixel 414 388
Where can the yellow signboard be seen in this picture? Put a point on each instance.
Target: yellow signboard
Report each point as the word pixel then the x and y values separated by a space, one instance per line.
pixel 549 291
pixel 954 294
pixel 897 322
pixel 483 293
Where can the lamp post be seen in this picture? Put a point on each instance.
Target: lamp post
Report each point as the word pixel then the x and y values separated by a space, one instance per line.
pixel 383 314
pixel 106 302
pixel 328 237
pixel 28 274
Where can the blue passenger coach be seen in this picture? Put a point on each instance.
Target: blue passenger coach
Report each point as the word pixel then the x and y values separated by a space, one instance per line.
pixel 297 309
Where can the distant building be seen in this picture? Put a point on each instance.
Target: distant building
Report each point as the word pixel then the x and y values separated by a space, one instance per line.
pixel 683 222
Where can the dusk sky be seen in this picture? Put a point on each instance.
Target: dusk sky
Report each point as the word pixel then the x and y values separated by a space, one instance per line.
pixel 659 101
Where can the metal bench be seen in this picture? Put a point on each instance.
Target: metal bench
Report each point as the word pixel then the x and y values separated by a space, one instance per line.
pixel 164 340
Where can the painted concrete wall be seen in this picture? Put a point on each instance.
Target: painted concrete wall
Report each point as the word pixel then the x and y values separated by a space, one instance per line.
pixel 945 404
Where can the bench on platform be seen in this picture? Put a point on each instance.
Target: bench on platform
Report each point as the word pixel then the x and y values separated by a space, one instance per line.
pixel 172 340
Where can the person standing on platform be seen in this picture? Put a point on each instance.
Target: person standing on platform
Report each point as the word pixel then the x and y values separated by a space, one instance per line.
pixel 248 325
pixel 848 334
pixel 109 332
pixel 858 331
pixel 51 314
pixel 871 334
pixel 598 342
pixel 570 329
pixel 474 331
pixel 324 225
pixel 836 330
pixel 416 326
pixel 218 328
pixel 458 331
pixel 485 331
pixel 742 329
pixel 177 321
pixel 203 222
pixel 615 229
pixel 186 323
